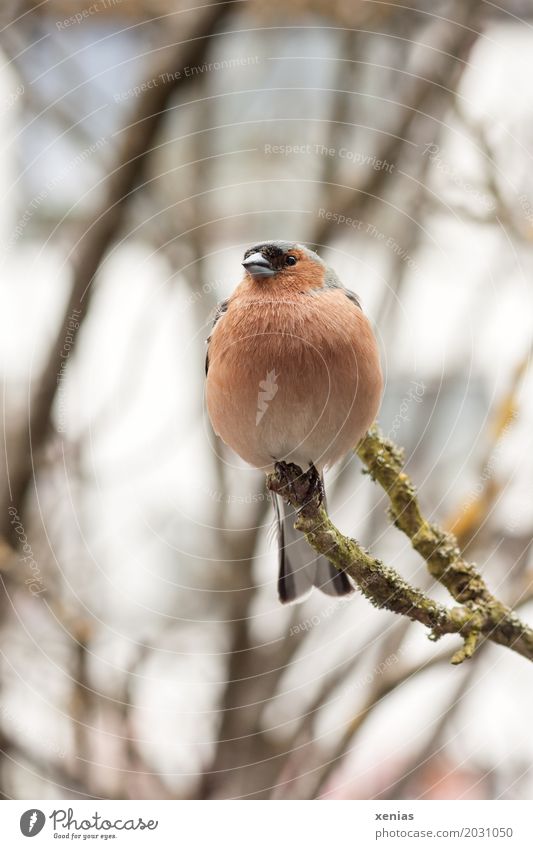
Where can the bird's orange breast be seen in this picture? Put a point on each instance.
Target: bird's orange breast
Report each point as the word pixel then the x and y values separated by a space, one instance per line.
pixel 293 377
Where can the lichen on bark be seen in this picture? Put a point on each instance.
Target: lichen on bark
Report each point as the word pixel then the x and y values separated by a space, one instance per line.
pixel 480 616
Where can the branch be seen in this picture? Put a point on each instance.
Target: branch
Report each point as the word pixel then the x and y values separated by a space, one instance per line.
pixel 472 514
pixel 403 786
pixel 453 42
pixel 480 617
pixel 465 584
pixel 390 649
pixel 121 183
pixel 383 687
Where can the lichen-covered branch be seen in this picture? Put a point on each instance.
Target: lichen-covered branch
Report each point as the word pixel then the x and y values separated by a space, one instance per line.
pixel 480 616
pixel 384 462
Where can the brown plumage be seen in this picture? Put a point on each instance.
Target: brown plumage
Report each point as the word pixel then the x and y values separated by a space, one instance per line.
pixel 293 375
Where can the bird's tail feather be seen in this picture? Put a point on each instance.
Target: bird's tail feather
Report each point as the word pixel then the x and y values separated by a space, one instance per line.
pixel 300 567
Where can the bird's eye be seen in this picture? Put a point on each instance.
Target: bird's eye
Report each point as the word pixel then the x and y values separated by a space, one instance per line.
pixel 291 260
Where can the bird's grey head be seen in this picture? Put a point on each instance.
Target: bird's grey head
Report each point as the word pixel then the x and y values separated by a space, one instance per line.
pixel 269 258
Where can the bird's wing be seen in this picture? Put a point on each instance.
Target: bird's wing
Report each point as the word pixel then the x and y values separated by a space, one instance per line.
pixel 352 296
pixel 331 281
pixel 219 312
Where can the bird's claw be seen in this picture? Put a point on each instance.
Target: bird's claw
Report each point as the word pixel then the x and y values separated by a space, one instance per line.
pixel 316 484
pixel 287 475
pixel 297 486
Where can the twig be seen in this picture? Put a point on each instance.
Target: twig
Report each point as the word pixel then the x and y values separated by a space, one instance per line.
pixel 122 181
pixel 452 45
pixel 382 688
pixel 481 614
pixel 432 746
pixel 469 518
pixel 331 683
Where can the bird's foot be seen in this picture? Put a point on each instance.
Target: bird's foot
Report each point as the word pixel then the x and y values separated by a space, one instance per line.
pixel 316 484
pixel 299 488
pixel 285 481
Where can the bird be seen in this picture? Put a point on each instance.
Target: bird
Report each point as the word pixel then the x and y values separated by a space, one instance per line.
pixel 293 375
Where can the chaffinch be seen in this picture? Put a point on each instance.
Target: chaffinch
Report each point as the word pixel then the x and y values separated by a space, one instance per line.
pixel 293 375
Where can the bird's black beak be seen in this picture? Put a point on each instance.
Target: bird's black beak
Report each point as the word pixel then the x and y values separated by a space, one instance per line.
pixel 258 266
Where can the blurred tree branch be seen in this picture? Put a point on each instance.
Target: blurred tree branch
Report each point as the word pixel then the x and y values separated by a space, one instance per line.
pixel 431 748
pixel 23 446
pixel 451 46
pixel 89 251
pixel 383 685
pixel 473 512
pixel 481 615
pixel 387 674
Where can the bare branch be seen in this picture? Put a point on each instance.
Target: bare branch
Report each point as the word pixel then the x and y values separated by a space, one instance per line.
pixel 452 46
pixel 481 616
pixel 92 246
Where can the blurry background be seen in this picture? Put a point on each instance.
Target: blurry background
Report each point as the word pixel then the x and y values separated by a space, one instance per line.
pixel 143 147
